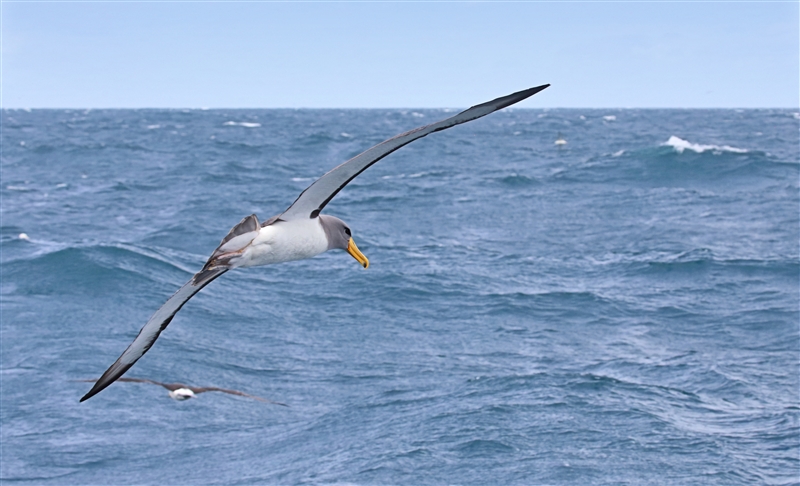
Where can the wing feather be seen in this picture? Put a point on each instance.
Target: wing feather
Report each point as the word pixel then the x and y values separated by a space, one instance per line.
pixel 201 389
pixel 141 380
pixel 317 195
pixel 150 332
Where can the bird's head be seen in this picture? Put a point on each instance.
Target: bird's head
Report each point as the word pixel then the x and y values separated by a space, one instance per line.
pixel 340 236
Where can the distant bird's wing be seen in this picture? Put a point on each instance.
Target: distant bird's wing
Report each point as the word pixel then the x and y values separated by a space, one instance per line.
pixel 150 332
pixel 201 389
pixel 317 195
pixel 168 386
pixel 144 380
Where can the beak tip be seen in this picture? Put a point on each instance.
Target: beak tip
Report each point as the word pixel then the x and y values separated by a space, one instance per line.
pixel 353 250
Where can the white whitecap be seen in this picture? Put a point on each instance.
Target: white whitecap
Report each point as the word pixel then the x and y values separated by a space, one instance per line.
pixel 242 124
pixel 23 236
pixel 301 179
pixel 62 185
pixel 19 188
pixel 346 135
pixel 680 145
pixel 618 153
pixel 153 127
pixel 417 115
pixel 609 117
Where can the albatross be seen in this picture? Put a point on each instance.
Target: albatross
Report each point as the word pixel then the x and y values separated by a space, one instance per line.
pixel 180 391
pixel 298 233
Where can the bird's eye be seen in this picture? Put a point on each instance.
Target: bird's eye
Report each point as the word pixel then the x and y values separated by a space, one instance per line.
pixel 347 230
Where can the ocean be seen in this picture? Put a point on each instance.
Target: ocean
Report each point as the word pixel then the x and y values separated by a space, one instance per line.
pixel 620 309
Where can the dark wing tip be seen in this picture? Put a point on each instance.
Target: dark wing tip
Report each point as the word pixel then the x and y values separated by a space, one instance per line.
pixel 513 98
pixel 94 391
pixel 268 401
pixel 199 389
pixel 97 388
pixel 110 376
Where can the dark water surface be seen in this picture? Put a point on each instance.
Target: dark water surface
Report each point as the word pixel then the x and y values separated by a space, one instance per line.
pixel 621 309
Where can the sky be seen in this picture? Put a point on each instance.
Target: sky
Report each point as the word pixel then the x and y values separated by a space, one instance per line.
pixel 251 54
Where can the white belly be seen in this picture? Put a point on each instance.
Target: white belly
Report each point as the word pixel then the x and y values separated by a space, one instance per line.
pixel 284 241
pixel 181 394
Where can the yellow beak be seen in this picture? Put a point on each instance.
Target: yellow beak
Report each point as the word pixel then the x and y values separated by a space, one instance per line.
pixel 353 250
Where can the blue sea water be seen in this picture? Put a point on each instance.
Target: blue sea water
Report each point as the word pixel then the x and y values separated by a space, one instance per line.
pixel 622 309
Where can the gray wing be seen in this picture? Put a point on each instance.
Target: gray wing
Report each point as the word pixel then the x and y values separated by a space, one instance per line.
pixel 168 386
pixel 132 380
pixel 150 332
pixel 317 195
pixel 201 389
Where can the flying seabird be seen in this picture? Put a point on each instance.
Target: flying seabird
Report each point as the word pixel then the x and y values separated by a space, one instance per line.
pixel 299 232
pixel 180 392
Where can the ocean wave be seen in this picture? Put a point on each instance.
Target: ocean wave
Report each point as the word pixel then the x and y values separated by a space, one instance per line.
pixel 244 147
pixel 679 163
pixel 321 138
pixel 87 270
pixel 416 175
pixel 482 447
pixel 20 188
pixel 561 304
pixel 516 180
pixel 679 145
pixel 702 261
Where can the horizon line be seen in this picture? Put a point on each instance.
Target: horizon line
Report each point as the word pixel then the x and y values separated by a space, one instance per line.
pixel 28 109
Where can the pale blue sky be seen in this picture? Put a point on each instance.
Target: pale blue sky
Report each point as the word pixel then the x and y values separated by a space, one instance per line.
pixel 395 54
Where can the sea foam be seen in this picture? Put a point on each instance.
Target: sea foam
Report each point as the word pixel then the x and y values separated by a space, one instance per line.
pixel 241 124
pixel 680 145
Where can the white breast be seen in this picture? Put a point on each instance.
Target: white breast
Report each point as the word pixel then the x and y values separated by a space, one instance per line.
pixel 284 241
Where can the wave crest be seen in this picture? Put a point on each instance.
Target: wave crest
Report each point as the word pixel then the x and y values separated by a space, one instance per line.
pixel 242 124
pixel 679 145
pixel 97 269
